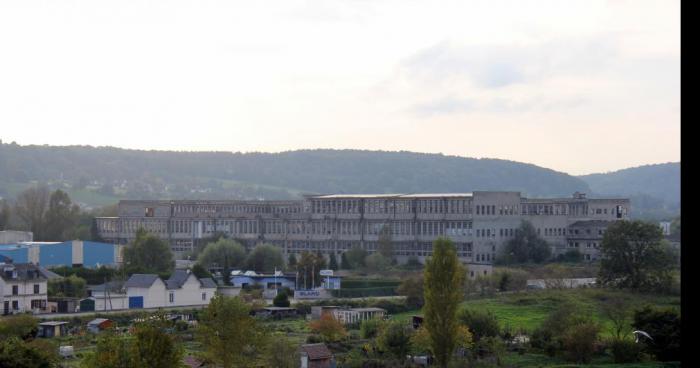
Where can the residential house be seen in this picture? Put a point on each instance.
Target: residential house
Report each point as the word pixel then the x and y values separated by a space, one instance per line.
pixel 183 288
pixel 23 287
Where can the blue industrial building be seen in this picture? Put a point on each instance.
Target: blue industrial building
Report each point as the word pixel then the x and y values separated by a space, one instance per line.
pixel 69 253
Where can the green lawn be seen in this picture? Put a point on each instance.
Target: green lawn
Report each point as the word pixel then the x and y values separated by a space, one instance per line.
pixel 527 310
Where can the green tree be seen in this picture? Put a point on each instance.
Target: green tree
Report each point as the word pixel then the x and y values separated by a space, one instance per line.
pixel 71 287
pixel 199 271
pixel 111 351
pixel 412 288
pixel 4 214
pixel 333 262
pixel 310 265
pixel 356 257
pixel 385 246
pixel 549 336
pixel 225 253
pixel 370 328
pixel 61 217
pixel 377 262
pixel 526 246
pixel 281 299
pixel 155 348
pixel 344 263
pixel 633 256
pixel 20 354
pixel 23 326
pixel 229 335
pixel 30 208
pixel 265 258
pixel 443 284
pixel 395 338
pixel 148 254
pixel 481 323
pixel 282 353
pixel 292 262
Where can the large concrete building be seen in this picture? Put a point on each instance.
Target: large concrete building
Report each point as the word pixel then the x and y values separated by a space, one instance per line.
pixel 479 223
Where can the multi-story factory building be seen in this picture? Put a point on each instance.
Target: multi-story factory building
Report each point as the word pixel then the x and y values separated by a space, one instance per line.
pixel 479 223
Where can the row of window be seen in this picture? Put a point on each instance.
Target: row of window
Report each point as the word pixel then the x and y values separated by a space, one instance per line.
pixel 15 289
pixel 391 206
pixel 233 208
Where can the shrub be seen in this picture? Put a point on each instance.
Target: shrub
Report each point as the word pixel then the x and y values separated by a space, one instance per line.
pixel 625 350
pixel 329 328
pixel 395 338
pixel 370 328
pixel 490 347
pixel 480 323
pixel 579 341
pixel 664 326
pixel 549 337
pixel 281 300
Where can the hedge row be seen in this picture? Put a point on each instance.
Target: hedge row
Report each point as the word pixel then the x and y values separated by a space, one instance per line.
pixel 368 283
pixel 364 292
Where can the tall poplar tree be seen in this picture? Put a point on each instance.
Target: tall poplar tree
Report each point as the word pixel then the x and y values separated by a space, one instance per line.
pixel 443 284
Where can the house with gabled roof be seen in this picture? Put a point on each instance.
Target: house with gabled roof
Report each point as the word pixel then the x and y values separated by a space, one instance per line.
pixel 183 288
pixel 23 288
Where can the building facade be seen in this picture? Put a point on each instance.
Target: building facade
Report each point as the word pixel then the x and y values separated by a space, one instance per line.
pixel 479 223
pixel 23 288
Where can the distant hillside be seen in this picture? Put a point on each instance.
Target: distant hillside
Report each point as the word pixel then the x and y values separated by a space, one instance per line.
pixel 102 175
pixel 655 190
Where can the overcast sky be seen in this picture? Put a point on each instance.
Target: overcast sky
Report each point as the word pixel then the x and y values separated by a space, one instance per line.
pixel 576 86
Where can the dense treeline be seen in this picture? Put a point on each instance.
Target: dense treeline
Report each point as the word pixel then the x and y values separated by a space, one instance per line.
pixel 102 175
pixel 655 190
pixel 182 174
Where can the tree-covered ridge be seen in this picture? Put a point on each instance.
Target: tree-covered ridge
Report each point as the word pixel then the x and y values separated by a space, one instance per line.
pixel 661 180
pixel 122 173
pixel 655 190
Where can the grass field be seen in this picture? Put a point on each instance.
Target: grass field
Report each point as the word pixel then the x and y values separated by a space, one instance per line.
pixel 527 310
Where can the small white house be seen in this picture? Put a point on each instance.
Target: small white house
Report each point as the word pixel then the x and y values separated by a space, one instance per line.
pixel 183 288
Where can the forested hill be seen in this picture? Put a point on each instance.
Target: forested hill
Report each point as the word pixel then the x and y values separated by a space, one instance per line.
pixel 655 188
pixel 101 175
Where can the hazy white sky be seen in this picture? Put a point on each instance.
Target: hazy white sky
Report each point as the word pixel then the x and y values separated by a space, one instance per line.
pixel 576 86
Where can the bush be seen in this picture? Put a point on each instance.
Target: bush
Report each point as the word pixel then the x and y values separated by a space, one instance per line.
pixel 370 328
pixel 664 326
pixel 549 337
pixel 625 350
pixel 281 300
pixel 579 341
pixel 572 255
pixel 480 323
pixel 490 347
